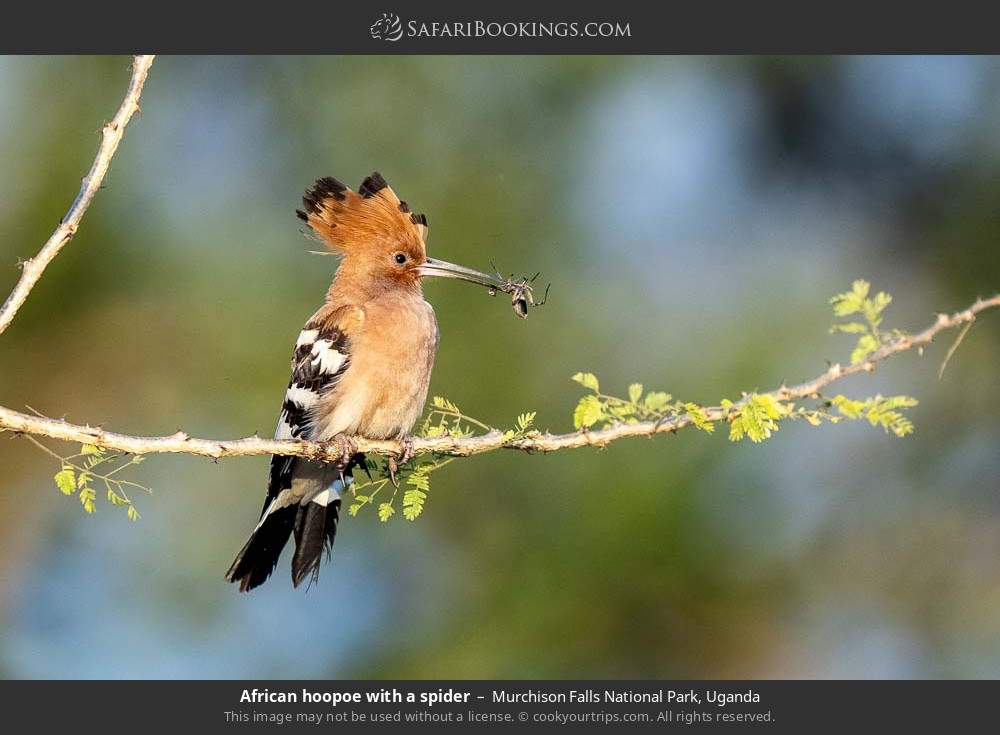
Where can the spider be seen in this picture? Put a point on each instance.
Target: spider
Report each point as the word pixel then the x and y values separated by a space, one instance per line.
pixel 520 290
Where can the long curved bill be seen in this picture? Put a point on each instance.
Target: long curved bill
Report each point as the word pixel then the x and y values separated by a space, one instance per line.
pixel 444 269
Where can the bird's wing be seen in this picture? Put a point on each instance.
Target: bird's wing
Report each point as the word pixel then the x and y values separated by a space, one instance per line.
pixel 322 354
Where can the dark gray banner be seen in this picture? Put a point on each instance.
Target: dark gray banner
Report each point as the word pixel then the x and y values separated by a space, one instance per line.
pixel 448 27
pixel 591 706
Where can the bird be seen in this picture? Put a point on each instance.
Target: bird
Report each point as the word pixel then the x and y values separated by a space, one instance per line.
pixel 361 366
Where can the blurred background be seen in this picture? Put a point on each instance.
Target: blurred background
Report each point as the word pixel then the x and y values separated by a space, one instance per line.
pixel 693 215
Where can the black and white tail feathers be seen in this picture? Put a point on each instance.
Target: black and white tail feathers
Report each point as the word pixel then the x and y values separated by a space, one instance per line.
pixel 259 556
pixel 315 528
pixel 312 523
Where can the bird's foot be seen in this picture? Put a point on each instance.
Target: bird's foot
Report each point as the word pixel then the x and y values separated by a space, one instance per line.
pixel 405 455
pixel 406 450
pixel 346 449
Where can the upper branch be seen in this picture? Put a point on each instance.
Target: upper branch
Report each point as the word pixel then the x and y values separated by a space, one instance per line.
pixel 112 133
pixel 462 446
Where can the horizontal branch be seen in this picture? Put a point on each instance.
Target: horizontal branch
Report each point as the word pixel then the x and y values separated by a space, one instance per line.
pixel 112 132
pixel 463 446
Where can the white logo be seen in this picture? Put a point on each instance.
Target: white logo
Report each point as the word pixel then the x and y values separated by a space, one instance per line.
pixel 387 28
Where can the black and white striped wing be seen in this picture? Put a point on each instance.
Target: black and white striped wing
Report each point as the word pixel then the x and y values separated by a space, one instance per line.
pixel 320 359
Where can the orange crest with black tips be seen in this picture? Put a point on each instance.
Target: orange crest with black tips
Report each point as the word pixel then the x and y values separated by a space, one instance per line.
pixel 371 218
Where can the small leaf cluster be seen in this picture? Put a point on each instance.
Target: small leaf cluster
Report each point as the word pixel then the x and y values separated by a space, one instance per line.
pixel 756 418
pixel 858 304
pixel 80 472
pixel 603 410
pixel 419 484
pixel 879 411
pixel 413 481
pixel 444 418
pixel 366 492
pixel 523 427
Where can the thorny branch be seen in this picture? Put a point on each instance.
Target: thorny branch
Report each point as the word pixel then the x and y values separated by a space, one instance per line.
pixel 112 133
pixel 467 445
pixel 455 446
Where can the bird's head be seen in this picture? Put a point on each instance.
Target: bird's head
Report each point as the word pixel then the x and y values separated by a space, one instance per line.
pixel 381 241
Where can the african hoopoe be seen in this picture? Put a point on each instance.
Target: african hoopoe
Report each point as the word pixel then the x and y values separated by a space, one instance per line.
pixel 361 366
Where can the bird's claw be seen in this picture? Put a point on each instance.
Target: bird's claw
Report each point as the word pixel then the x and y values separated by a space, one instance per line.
pixel 406 450
pixel 346 449
pixel 405 455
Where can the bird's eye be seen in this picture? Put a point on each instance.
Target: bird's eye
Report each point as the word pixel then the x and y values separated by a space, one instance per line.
pixel 399 258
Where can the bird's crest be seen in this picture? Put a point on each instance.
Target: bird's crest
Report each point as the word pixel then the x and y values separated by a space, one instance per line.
pixel 350 221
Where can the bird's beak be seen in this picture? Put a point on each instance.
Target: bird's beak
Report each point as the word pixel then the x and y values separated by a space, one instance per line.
pixel 444 269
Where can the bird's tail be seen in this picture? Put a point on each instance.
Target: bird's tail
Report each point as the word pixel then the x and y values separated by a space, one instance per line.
pixel 314 525
pixel 259 555
pixel 315 531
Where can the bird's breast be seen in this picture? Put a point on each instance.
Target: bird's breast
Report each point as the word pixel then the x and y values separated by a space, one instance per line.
pixel 381 395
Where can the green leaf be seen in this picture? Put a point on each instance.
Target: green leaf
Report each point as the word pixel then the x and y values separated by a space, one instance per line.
pixel 618 410
pixel 385 511
pixel 656 401
pixel 849 328
pixel 893 402
pixel 90 449
pixel 588 380
pixel 115 499
pixel 635 392
pixel 737 429
pixel 866 346
pixel 413 503
pixel 354 508
pixel 66 480
pixel 851 302
pixel 850 408
pixel 444 404
pixel 419 479
pixel 133 514
pixel 698 417
pixel 879 411
pixel 854 301
pixel 873 307
pixel 87 496
pixel 757 418
pixel 588 412
pixel 900 426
